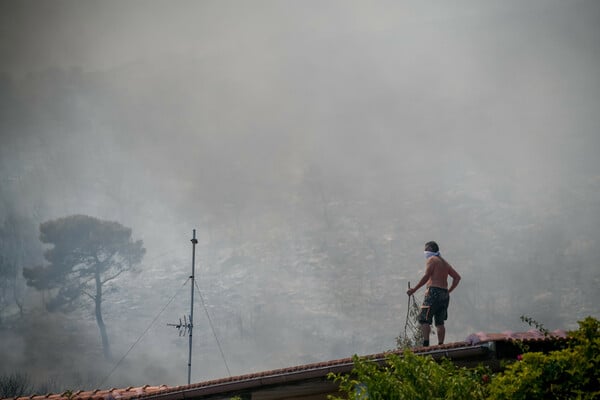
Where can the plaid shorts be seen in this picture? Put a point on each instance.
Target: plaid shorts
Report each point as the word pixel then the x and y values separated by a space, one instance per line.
pixel 435 306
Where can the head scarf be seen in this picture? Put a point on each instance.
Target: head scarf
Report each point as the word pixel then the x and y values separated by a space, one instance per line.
pixel 431 254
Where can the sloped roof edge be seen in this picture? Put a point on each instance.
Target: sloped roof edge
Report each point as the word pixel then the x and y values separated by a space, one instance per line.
pixel 475 345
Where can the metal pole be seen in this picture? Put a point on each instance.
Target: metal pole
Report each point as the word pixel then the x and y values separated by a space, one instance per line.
pixel 194 242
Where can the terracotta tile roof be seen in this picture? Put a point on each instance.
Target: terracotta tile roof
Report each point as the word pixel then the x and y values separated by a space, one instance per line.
pixel 474 346
pixel 97 394
pixel 529 336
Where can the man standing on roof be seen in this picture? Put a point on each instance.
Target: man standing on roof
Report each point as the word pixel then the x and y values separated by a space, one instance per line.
pixel 437 295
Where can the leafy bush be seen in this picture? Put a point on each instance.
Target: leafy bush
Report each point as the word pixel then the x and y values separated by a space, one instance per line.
pixel 572 373
pixel 411 377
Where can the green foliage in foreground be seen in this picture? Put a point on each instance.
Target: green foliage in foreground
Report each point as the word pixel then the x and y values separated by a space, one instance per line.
pixel 571 373
pixel 411 377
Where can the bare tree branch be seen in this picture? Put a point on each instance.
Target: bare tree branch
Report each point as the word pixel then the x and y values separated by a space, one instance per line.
pixel 110 278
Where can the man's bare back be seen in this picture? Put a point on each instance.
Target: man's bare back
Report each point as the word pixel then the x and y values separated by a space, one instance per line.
pixel 437 270
pixel 436 274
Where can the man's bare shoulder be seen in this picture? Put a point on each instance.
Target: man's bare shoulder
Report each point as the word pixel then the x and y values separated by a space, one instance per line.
pixel 431 262
pixel 435 260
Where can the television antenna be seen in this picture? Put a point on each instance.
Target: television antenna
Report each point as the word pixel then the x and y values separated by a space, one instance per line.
pixel 187 325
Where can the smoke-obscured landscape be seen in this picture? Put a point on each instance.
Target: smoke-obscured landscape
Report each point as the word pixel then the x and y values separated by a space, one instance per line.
pixel 315 147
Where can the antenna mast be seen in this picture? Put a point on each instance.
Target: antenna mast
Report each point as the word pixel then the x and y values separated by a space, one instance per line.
pixel 191 324
pixel 188 324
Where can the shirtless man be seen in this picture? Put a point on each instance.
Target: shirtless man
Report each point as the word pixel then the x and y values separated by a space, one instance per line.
pixel 437 296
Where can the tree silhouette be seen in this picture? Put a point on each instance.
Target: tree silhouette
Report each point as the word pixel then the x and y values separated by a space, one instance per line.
pixel 16 250
pixel 87 253
pixel 14 385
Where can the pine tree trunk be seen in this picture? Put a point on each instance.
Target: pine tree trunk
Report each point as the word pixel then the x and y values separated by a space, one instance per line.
pixel 99 320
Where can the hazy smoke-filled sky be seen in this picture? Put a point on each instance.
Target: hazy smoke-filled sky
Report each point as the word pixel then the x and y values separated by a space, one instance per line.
pixel 312 134
pixel 266 88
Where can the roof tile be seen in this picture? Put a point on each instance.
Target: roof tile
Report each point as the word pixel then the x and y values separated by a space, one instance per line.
pixel 532 335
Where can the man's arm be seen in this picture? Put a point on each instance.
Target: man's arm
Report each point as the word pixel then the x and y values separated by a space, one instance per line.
pixel 455 279
pixel 423 281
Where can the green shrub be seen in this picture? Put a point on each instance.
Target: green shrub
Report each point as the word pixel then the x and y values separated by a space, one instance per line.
pixel 411 377
pixel 572 373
